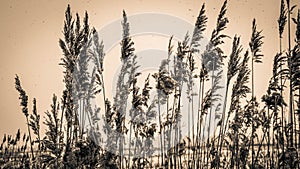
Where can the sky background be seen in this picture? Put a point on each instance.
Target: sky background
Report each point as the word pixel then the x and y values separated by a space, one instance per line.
pixel 30 31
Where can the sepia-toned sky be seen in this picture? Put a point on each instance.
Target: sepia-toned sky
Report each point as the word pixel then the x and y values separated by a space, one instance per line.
pixel 30 30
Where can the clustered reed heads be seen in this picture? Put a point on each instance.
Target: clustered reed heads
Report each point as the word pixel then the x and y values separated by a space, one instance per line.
pixel 53 134
pixel 165 83
pixel 256 43
pixel 127 44
pixel 207 102
pixel 98 51
pixel 295 68
pixel 217 85
pixel 282 18
pixel 74 37
pixel 213 56
pixel 23 97
pixel 240 88
pixel 216 37
pixel 234 58
pixel 191 63
pixel 203 73
pixel 200 27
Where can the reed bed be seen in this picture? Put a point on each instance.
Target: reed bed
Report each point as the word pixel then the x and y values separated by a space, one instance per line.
pixel 250 132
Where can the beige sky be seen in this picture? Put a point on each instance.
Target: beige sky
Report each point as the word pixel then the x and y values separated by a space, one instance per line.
pixel 30 31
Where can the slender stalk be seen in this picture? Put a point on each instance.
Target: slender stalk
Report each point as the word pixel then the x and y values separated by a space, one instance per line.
pixel 203 153
pixel 282 111
pixel 160 131
pixel 202 138
pixel 29 133
pixel 200 115
pixel 223 129
pixel 252 113
pixel 198 124
pixel 62 115
pixel 193 140
pixel 268 134
pixel 189 133
pixel 209 120
pixel 299 116
pixel 290 86
pixel 129 142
